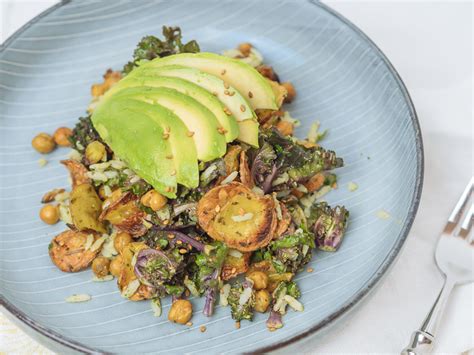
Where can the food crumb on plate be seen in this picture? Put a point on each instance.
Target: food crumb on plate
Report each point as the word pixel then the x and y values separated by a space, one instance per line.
pixel 42 162
pixel 352 186
pixel 76 298
pixel 382 214
pixel 310 269
pixel 202 328
pixel 237 325
pixel 189 324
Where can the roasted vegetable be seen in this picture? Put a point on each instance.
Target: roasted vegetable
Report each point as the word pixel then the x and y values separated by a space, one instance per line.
pixel 284 222
pixel 235 264
pixel 155 267
pixel 85 209
pixel 77 171
pixel 241 300
pixel 124 213
pixel 329 225
pixel 128 282
pixel 83 134
pixel 244 170
pixel 71 251
pixel 151 47
pixel 290 252
pixel 231 159
pixel 240 218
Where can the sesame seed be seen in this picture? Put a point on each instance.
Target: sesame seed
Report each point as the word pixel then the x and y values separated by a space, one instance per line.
pixel 167 129
pixel 250 94
pixel 189 324
pixel 202 328
pixel 179 242
pixel 242 108
pixel 166 135
pixel 223 72
pixel 215 93
pixel 232 93
pixel 173 173
pixel 226 92
pixel 187 293
pixel 190 133
pixel 233 270
pixel 218 208
pixel 237 325
pixel 183 251
pixel 168 189
pixel 226 85
pixel 227 111
pixel 310 269
pixel 170 236
pixel 221 130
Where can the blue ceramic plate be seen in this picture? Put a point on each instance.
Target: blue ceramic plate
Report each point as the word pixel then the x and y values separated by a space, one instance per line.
pixel 342 79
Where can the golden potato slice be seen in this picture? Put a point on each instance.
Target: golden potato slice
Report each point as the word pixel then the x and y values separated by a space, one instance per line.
pixel 284 222
pixel 127 274
pixel 234 266
pixel 78 172
pixel 85 209
pixel 244 171
pixel 123 212
pixel 68 250
pixel 240 218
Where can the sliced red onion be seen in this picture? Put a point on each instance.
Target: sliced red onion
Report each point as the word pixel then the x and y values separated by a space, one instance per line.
pixel 209 304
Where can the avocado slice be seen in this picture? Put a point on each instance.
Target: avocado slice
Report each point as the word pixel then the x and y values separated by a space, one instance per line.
pixel 202 125
pixel 137 140
pixel 230 97
pixel 248 132
pixel 183 150
pixel 201 95
pixel 248 81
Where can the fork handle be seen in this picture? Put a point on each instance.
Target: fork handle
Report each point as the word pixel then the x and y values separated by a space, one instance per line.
pixel 422 340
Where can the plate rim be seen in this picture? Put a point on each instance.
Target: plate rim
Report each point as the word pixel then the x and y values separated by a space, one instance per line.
pixel 363 292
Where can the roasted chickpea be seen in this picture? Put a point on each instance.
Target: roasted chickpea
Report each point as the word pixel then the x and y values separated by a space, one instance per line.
pixel 115 266
pixel 61 136
pixel 180 312
pixel 100 266
pixel 49 214
pixel 262 301
pixel 291 92
pixel 245 49
pixel 260 280
pixel 95 152
pixel 43 143
pixel 154 200
pixel 121 240
pixel 286 128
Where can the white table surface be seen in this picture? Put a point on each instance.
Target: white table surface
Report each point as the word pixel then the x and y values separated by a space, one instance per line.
pixel 430 44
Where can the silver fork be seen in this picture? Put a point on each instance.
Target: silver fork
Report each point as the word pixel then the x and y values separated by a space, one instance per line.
pixel 455 258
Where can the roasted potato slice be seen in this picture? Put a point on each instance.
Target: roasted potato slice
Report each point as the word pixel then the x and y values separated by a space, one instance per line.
pixel 85 209
pixel 240 218
pixel 123 212
pixel 244 171
pixel 68 250
pixel 78 172
pixel 127 274
pixel 284 222
pixel 234 266
pixel 231 160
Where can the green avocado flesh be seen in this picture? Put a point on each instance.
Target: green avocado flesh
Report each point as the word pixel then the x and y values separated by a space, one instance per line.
pixel 136 139
pixel 201 123
pixel 248 81
pixel 228 95
pixel 188 88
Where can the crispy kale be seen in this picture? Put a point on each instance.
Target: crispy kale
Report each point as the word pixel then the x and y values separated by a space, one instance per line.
pixel 83 134
pixel 241 300
pixel 290 252
pixel 328 225
pixel 151 47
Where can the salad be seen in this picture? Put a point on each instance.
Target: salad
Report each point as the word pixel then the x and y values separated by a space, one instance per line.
pixel 187 181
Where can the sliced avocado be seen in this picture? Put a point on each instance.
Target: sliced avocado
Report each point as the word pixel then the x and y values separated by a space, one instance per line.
pixel 248 81
pixel 183 150
pixel 201 95
pixel 228 95
pixel 249 132
pixel 137 140
pixel 203 126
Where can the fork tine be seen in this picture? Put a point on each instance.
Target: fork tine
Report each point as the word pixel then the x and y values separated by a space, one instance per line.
pixel 456 214
pixel 467 222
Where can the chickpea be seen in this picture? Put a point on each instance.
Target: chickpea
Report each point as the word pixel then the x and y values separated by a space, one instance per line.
pixel 262 301
pixel 285 128
pixel 115 266
pixel 291 92
pixel 95 152
pixel 245 49
pixel 49 214
pixel 154 200
pixel 61 136
pixel 259 278
pixel 180 312
pixel 100 266
pixel 121 240
pixel 43 143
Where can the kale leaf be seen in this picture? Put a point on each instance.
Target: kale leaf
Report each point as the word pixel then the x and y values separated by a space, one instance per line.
pixel 83 134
